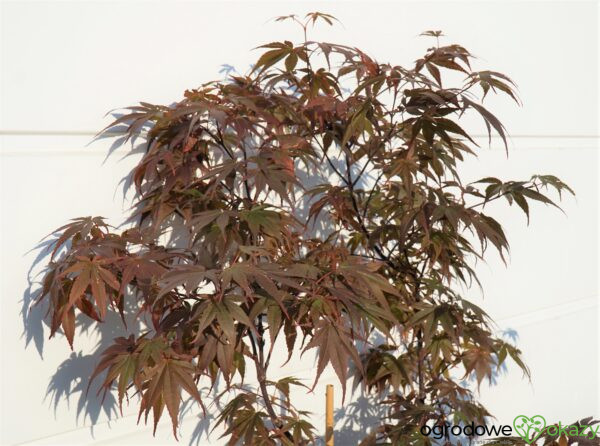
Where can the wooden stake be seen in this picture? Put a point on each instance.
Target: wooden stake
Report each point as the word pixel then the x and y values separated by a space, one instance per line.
pixel 329 415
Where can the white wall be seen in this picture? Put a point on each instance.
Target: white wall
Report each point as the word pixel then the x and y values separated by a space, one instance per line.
pixel 65 64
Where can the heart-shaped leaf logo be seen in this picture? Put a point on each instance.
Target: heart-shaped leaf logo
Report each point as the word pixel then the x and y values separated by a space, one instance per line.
pixel 529 428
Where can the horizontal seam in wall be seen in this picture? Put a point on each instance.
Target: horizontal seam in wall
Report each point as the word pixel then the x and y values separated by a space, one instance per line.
pixel 97 152
pixel 30 132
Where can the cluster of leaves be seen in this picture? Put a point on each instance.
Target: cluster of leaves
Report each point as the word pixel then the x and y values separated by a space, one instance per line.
pixel 316 199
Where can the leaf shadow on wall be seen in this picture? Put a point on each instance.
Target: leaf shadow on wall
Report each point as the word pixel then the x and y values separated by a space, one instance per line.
pixel 69 384
pixel 356 420
pixel 33 315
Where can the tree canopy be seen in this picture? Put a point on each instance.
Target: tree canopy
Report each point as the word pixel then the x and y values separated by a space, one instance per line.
pixel 315 200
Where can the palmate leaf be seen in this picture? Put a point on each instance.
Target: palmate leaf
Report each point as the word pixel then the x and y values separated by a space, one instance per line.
pixel 188 276
pixel 245 422
pixel 522 191
pixel 120 361
pixel 493 80
pixel 142 268
pixel 271 57
pixel 490 121
pixel 75 284
pixel 335 347
pixel 283 385
pixel 91 275
pixel 165 382
pixel 149 366
pixel 479 361
pixel 80 229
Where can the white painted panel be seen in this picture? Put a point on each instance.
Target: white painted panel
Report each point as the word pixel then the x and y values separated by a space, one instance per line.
pixel 64 64
pixel 68 63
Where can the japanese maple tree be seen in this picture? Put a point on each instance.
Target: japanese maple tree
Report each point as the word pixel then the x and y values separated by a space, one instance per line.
pixel 318 200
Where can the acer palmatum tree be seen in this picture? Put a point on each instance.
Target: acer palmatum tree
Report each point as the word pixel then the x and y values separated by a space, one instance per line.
pixel 317 199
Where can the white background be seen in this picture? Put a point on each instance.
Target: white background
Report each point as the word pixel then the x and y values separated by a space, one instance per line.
pixel 65 64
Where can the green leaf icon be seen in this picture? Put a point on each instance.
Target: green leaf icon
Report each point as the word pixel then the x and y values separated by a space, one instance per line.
pixel 529 428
